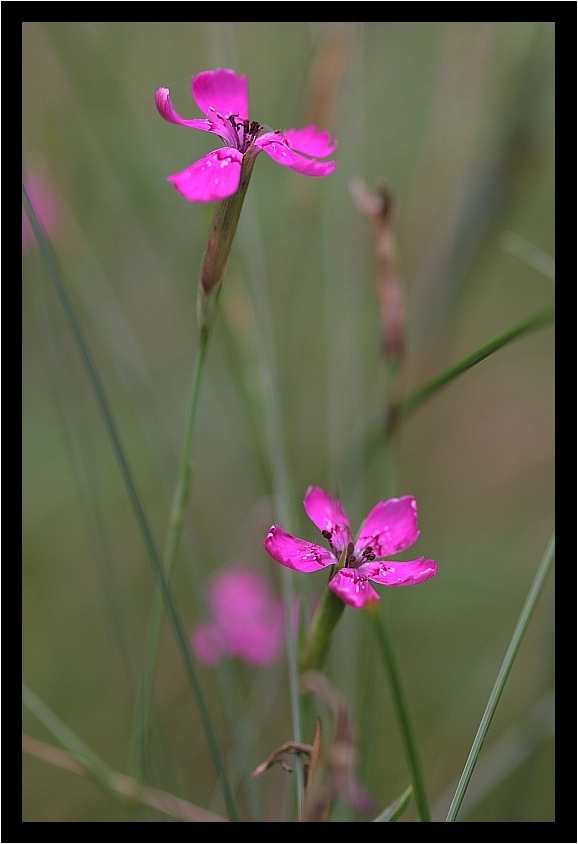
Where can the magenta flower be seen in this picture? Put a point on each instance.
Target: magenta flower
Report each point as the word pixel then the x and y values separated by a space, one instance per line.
pixel 389 528
pixel 223 97
pixel 248 620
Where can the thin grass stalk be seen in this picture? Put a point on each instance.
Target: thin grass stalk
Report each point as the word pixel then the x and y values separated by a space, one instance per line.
pixel 401 711
pixel 519 631
pixel 126 789
pixel 212 275
pixel 376 435
pixel 143 702
pixel 265 349
pixel 97 768
pixel 146 532
pixel 538 320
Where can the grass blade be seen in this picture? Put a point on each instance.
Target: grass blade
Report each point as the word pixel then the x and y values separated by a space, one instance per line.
pixel 538 320
pixel 125 788
pixel 376 435
pixel 396 809
pixel 114 436
pixel 401 712
pixel 523 621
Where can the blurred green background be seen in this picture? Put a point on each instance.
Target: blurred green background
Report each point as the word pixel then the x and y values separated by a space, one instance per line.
pixel 458 118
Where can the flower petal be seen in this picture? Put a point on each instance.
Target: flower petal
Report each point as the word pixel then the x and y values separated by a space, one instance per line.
pixel 239 592
pixel 275 145
pixel 296 553
pixel 223 91
pixel 392 573
pixel 390 527
pixel 328 515
pixel 212 178
pixel 353 588
pixel 257 638
pixel 165 109
pixel 208 643
pixel 311 141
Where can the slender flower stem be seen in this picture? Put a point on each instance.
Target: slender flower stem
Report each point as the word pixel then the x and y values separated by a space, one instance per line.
pixel 134 497
pixel 401 710
pixel 265 348
pixel 143 702
pixel 322 626
pixel 221 234
pixel 517 636
pixel 213 269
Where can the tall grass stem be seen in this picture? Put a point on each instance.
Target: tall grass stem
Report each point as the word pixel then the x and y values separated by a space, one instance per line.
pixel 519 631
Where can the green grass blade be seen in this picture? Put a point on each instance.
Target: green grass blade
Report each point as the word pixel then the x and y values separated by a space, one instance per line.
pixel 530 254
pixel 93 377
pixel 396 809
pixel 520 629
pixel 114 436
pixel 69 740
pixel 376 435
pixel 125 788
pixel 499 760
pixel 538 320
pixel 144 696
pixel 401 711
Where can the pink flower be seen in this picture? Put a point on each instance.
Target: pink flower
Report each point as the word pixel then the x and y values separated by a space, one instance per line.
pixel 224 99
pixel 248 620
pixel 43 200
pixel 390 527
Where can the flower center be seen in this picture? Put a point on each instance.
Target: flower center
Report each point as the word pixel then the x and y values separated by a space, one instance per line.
pixel 352 561
pixel 246 131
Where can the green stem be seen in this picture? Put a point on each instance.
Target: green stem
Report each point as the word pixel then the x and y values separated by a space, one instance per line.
pixel 520 629
pixel 265 347
pixel 220 240
pixel 322 626
pixel 213 269
pixel 143 702
pixel 401 710
pixel 212 275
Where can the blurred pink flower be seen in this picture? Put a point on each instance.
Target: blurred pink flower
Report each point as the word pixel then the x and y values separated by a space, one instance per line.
pixel 45 205
pixel 391 526
pixel 248 621
pixel 224 98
